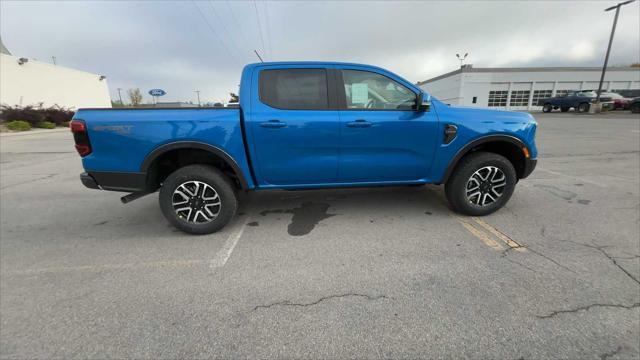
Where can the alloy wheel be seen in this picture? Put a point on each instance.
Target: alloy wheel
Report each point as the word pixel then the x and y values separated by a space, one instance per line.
pixel 196 202
pixel 486 186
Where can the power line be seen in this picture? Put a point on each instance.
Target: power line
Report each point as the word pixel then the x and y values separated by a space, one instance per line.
pixel 268 30
pixel 235 20
pixel 224 28
pixel 259 28
pixel 214 31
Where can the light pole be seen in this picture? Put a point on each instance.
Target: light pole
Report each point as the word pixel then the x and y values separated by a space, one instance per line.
pixel 462 58
pixel 198 92
pixel 120 95
pixel 613 30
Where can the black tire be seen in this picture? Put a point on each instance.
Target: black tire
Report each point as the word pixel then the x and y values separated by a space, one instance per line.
pixel 201 174
pixel 635 108
pixel 456 186
pixel 564 109
pixel 547 108
pixel 583 107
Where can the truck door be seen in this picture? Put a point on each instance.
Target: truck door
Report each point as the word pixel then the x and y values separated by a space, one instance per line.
pixel 383 138
pixel 293 126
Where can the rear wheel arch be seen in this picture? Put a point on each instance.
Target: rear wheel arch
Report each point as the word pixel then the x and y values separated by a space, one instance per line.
pixel 164 160
pixel 508 146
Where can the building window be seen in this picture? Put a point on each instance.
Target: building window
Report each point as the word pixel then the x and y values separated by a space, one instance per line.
pixel 475 99
pixel 539 95
pixel 498 98
pixel 519 98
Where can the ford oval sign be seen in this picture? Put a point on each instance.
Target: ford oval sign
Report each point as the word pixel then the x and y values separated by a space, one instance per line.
pixel 157 92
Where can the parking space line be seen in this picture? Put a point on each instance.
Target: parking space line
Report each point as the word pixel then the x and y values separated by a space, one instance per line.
pixel 221 257
pixel 483 236
pixel 101 268
pixel 500 235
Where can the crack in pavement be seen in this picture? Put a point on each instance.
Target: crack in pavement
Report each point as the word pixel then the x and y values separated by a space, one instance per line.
pixel 289 303
pixel 601 248
pixel 548 258
pixel 588 307
pixel 611 353
pixel 48 176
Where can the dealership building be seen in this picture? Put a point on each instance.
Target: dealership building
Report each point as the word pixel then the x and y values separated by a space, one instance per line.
pixel 25 81
pixel 520 88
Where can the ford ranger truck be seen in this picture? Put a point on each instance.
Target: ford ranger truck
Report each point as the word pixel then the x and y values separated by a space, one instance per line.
pixel 305 125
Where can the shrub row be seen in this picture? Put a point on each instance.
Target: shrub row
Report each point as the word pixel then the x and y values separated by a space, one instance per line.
pixel 37 116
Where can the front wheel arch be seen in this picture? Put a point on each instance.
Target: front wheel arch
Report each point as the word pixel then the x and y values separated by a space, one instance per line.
pixel 508 146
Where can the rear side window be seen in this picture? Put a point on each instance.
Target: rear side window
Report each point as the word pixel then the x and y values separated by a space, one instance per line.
pixel 294 89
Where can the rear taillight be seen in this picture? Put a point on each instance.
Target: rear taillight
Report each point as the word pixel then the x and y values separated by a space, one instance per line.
pixel 81 137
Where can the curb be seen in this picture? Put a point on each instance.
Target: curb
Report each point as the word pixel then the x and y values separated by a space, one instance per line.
pixel 35 132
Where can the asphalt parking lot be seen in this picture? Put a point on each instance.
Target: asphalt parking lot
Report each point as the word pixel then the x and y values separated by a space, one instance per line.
pixel 366 273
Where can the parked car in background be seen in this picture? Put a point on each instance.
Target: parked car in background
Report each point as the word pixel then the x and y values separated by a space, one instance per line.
pixel 634 105
pixel 619 101
pixel 578 100
pixel 304 125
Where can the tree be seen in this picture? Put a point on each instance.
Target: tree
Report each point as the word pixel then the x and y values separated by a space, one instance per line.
pixel 135 95
pixel 635 65
pixel 234 98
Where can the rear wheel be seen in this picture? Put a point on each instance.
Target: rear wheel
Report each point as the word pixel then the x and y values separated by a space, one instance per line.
pixel 481 184
pixel 635 108
pixel 198 199
pixel 583 107
pixel 547 108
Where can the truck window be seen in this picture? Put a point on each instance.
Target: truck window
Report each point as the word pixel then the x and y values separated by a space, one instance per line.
pixel 368 90
pixel 294 89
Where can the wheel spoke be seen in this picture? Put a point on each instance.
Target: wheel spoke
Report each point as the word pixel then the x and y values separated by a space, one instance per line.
pixel 186 189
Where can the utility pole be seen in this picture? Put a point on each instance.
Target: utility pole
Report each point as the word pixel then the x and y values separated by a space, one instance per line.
pixel 120 96
pixel 54 60
pixel 198 92
pixel 462 58
pixel 613 30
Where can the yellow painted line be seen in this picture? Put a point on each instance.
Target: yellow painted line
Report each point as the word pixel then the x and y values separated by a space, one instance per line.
pixel 483 236
pixel 500 235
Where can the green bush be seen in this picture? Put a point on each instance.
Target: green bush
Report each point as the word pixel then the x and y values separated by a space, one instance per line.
pixel 18 125
pixel 46 125
pixel 36 114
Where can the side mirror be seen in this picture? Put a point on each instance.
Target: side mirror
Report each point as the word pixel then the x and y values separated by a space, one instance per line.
pixel 423 102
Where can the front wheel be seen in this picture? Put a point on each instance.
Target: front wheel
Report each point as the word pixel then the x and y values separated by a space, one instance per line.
pixel 583 107
pixel 635 108
pixel 481 184
pixel 198 199
pixel 547 108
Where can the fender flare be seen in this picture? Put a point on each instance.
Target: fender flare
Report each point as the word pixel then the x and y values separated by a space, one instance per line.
pixel 483 140
pixel 157 152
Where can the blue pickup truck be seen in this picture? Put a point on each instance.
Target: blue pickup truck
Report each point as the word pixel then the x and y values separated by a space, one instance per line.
pixel 303 125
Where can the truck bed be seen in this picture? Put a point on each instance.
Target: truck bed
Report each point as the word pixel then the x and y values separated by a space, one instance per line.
pixel 121 139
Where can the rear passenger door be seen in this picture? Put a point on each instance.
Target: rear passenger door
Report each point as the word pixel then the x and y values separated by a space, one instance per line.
pixel 293 126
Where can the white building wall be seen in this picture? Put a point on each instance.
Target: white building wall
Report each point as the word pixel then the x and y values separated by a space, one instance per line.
pixel 448 91
pixel 478 84
pixel 36 82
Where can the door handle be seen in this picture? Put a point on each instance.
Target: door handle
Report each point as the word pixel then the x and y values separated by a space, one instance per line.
pixel 360 123
pixel 273 124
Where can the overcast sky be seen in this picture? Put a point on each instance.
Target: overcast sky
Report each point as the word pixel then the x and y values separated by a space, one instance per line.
pixel 169 45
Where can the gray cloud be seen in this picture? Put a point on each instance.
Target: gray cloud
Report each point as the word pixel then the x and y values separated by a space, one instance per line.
pixel 168 44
